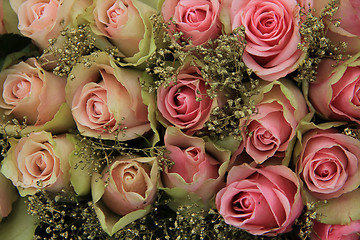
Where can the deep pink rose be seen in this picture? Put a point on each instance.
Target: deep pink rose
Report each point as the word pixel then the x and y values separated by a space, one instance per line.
pixel 196 164
pixel 179 103
pixel 349 29
pixel 262 201
pixel 38 161
pixel 106 100
pixel 339 89
pixel 42 20
pixel 30 91
pixel 198 20
pixel 268 132
pixel 272 34
pixel 323 231
pixel 328 163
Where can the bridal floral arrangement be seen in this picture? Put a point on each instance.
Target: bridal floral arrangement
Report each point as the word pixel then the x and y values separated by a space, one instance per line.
pixel 180 119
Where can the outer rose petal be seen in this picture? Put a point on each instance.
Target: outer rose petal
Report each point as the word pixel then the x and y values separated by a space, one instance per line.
pixel 9 195
pixel 331 232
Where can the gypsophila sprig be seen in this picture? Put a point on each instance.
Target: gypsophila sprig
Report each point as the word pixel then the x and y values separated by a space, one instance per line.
pixel 69 47
pixel 315 43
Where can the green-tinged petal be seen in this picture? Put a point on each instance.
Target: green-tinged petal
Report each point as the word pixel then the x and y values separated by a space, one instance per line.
pixel 79 171
pixel 10 18
pixel 229 143
pixel 341 210
pixel 19 225
pixel 149 99
pixel 181 197
pixel 62 122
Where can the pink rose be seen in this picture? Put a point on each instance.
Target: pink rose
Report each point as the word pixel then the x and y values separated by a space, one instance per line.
pixel 30 91
pixel 8 196
pixel 126 24
pixel 328 163
pixel 39 161
pixel 268 132
pixel 106 99
pixel 197 20
pixel 262 201
pixel 42 20
pixel 342 88
pixel 185 103
pixel 272 34
pixel 125 192
pixel 349 29
pixel 199 166
pixel 323 231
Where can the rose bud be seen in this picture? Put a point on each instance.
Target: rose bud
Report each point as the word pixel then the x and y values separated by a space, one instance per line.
pixel 39 161
pixel 341 85
pixel 106 99
pixel 327 162
pixel 28 91
pixel 42 20
pixel 268 133
pixel 323 231
pixel 186 104
pixel 263 201
pixel 349 30
pixel 197 20
pixel 126 24
pixel 199 166
pixel 271 32
pixel 8 196
pixel 125 191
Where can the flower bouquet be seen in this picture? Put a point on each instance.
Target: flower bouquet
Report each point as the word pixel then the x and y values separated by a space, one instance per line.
pixel 180 119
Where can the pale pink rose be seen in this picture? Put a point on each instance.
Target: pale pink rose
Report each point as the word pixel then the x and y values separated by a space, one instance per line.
pixel 341 86
pixel 8 196
pixel 39 161
pixel 263 201
pixel 328 163
pixel 42 20
pixel 125 191
pixel 130 186
pixel 349 29
pixel 268 132
pixel 323 231
pixel 30 91
pixel 178 102
pixel 272 34
pixel 124 23
pixel 196 164
pixel 198 20
pixel 106 100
